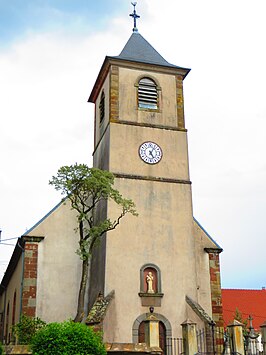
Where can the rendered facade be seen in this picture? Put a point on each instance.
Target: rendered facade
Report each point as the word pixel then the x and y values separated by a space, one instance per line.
pixel 162 261
pixel 144 115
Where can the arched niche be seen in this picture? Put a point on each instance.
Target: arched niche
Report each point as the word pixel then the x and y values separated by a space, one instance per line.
pixel 150 285
pixel 155 272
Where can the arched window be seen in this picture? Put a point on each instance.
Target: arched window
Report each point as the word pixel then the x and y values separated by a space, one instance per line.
pixel 102 107
pixel 147 94
pixel 14 308
pixel 7 325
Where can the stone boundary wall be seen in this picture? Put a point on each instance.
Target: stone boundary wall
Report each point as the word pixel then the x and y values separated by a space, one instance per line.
pixel 112 349
pixel 131 349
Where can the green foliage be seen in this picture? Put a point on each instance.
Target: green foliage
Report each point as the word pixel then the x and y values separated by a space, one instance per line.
pixel 67 338
pixel 1 349
pixel 26 328
pixel 239 317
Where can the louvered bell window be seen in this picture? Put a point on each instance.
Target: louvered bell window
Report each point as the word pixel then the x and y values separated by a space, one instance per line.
pixel 102 107
pixel 147 94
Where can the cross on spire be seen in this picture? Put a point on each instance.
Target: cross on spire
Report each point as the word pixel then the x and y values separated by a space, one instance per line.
pixel 135 17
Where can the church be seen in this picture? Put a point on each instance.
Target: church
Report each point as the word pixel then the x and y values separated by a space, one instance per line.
pixel 162 262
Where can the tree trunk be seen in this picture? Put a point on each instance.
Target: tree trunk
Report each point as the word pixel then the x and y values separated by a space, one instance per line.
pixel 82 289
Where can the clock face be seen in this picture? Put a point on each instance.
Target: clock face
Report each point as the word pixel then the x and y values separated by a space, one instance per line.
pixel 150 152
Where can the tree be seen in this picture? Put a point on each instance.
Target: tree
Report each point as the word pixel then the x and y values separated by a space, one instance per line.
pixel 239 317
pixel 87 188
pixel 67 338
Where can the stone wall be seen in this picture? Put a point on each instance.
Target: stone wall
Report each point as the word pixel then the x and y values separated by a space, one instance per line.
pixel 17 349
pixel 131 349
pixel 112 349
pixel 30 279
pixel 215 281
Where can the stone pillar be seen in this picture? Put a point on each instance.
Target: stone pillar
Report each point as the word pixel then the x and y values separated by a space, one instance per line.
pixel 152 331
pixel 236 337
pixel 189 337
pixel 114 94
pixel 263 336
pixel 29 285
pixel 180 102
pixel 215 283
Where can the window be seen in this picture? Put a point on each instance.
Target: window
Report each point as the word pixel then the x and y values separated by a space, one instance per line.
pixel 14 308
pixel 147 94
pixel 101 107
pixel 7 335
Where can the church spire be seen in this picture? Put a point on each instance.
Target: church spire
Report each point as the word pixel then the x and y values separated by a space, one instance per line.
pixel 135 17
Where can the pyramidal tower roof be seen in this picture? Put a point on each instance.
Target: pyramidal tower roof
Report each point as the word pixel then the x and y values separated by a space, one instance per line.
pixel 137 49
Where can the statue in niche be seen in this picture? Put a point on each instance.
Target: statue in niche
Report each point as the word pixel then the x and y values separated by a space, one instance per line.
pixel 149 280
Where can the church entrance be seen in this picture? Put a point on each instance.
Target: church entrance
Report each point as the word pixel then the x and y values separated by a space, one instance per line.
pixel 162 335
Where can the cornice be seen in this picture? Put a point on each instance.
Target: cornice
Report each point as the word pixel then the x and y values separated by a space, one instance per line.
pixel 213 250
pixel 32 238
pixel 123 63
pixel 149 125
pixel 151 178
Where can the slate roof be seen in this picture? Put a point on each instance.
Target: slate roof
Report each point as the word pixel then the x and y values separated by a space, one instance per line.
pixel 207 234
pixel 137 49
pixel 12 265
pixel 248 302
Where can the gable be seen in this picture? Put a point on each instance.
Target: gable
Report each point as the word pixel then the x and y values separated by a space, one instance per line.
pixel 201 235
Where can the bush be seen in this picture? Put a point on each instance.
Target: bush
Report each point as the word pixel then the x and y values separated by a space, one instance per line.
pixel 26 328
pixel 1 349
pixel 67 338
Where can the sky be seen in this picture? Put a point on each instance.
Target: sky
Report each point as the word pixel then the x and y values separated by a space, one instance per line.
pixel 50 54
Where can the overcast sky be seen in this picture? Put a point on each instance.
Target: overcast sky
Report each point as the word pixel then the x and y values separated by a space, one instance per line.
pixel 50 55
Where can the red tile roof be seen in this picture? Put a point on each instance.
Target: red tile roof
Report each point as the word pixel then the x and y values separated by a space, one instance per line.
pixel 248 302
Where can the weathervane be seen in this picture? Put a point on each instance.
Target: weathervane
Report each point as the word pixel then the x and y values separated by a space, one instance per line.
pixel 135 17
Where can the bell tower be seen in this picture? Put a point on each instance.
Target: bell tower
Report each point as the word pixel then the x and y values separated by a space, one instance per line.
pixel 140 136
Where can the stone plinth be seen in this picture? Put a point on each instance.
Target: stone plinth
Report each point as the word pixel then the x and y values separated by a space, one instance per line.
pixel 236 336
pixel 17 349
pixel 129 348
pixel 189 337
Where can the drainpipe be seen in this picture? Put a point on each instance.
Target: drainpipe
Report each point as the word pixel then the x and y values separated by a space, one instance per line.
pixel 22 278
